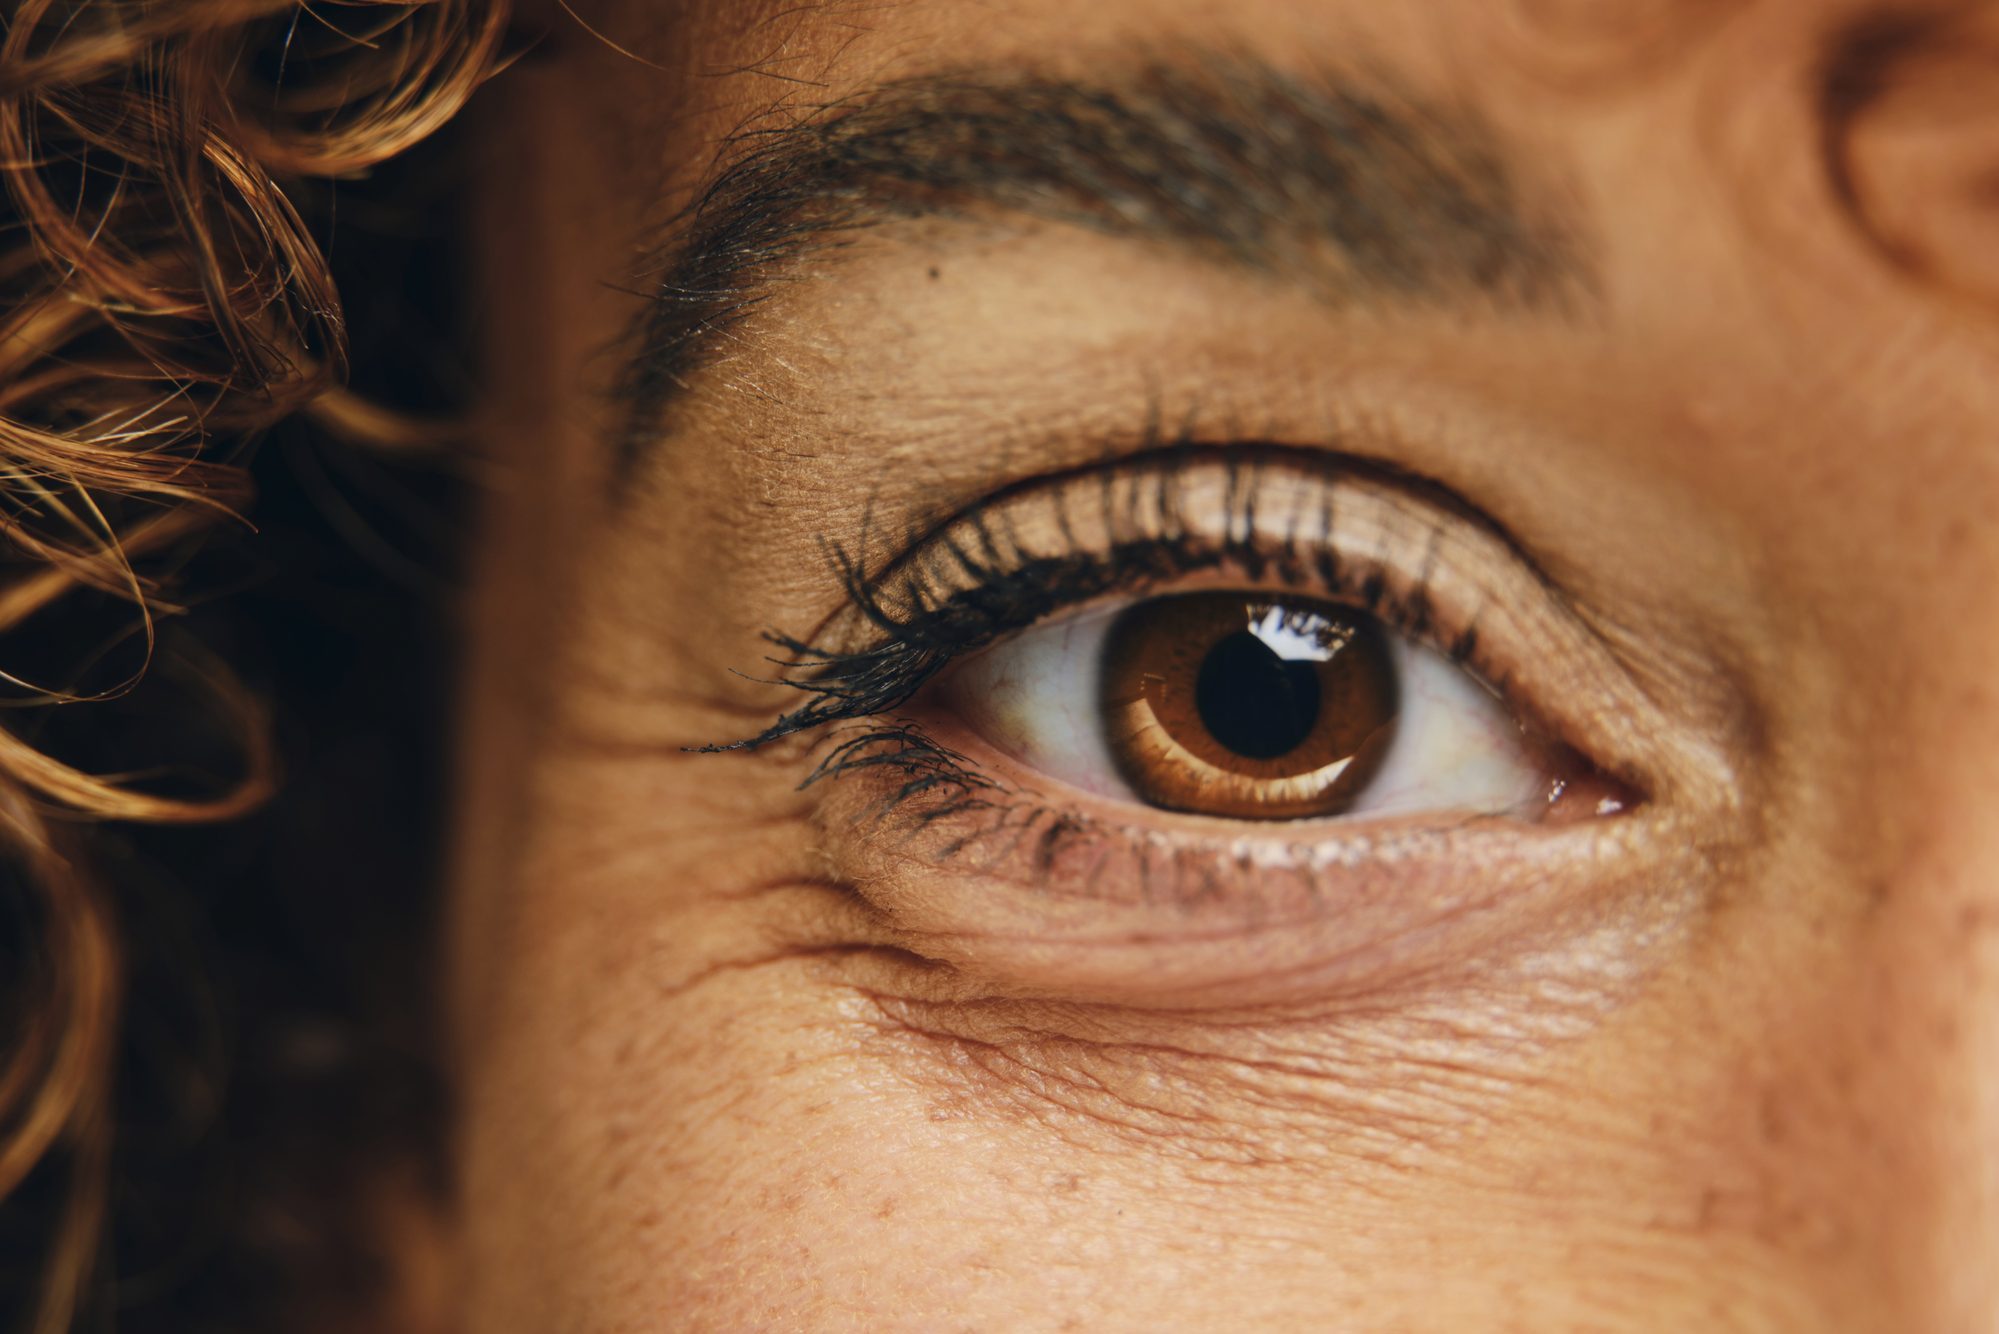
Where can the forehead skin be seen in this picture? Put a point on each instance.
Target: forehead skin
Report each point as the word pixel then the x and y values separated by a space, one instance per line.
pixel 1764 448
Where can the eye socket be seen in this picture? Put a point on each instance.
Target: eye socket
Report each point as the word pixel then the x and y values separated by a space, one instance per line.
pixel 1251 705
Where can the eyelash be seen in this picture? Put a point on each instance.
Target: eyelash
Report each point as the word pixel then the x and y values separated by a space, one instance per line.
pixel 919 623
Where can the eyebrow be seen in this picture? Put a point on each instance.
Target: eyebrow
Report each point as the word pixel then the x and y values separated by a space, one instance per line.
pixel 1366 192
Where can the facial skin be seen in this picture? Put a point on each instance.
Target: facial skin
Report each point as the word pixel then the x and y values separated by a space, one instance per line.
pixel 736 1054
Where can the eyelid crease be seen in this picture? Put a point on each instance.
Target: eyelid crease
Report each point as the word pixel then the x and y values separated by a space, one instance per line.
pixel 1160 458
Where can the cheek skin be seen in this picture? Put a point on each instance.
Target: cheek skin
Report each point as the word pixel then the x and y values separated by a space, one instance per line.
pixel 810 1128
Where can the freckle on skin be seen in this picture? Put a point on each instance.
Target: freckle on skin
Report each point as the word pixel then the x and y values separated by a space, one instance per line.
pixel 1771 1120
pixel 1877 892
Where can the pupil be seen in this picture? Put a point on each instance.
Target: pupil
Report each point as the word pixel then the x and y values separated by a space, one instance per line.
pixel 1253 701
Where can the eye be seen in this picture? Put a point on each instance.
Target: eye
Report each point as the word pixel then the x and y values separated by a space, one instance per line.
pixel 1250 705
pixel 1205 727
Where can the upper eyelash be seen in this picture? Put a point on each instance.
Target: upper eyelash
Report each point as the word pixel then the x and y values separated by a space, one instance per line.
pixel 921 627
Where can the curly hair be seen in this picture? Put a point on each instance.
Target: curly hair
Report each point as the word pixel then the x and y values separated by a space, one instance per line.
pixel 165 304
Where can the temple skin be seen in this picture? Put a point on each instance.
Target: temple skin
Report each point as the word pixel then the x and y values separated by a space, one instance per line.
pixel 731 1059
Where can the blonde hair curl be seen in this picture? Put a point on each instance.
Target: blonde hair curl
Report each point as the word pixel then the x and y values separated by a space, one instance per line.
pixel 161 303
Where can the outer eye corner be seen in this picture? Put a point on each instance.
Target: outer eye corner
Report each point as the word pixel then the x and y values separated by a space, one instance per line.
pixel 1580 790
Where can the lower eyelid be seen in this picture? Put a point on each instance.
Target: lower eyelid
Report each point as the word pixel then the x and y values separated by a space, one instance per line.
pixel 1022 891
pixel 1203 916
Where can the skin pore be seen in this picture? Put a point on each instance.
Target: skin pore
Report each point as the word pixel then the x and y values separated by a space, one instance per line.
pixel 1636 393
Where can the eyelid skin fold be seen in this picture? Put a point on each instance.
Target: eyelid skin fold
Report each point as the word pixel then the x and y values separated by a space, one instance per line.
pixel 970 861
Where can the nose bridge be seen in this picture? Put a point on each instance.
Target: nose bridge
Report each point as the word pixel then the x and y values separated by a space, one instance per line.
pixel 1937 949
pixel 1976 1064
pixel 1946 957
pixel 1907 1041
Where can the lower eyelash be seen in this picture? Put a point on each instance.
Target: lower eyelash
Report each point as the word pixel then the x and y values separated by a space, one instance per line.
pixel 940 797
pixel 953 786
pixel 926 768
pixel 938 785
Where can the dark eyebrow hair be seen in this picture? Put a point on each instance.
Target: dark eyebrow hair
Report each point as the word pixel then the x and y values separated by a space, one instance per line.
pixel 1363 191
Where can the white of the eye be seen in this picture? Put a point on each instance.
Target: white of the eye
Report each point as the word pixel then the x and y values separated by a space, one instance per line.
pixel 1035 698
pixel 1456 749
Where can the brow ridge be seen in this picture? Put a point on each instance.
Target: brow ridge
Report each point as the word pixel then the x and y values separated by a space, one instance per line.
pixel 1375 194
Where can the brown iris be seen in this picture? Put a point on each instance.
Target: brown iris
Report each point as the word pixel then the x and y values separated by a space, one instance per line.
pixel 1248 705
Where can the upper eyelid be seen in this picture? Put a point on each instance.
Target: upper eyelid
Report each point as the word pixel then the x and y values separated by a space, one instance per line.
pixel 1243 542
pixel 1154 469
pixel 1161 459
